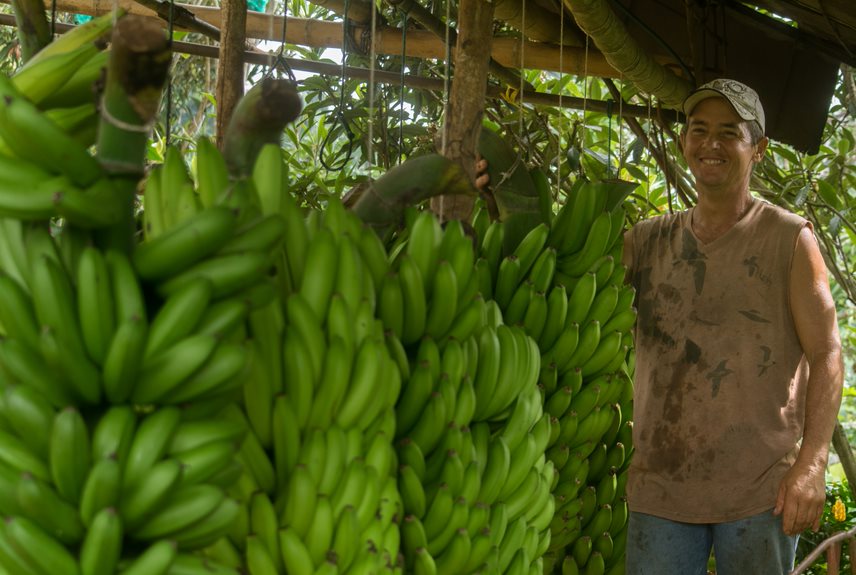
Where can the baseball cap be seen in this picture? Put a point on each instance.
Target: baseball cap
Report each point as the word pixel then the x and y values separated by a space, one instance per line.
pixel 742 98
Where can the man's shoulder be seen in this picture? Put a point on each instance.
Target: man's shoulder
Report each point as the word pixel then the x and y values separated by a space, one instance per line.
pixel 771 213
pixel 654 224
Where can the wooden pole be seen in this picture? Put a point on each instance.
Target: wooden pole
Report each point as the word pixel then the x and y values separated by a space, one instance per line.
pixel 230 71
pixel 462 124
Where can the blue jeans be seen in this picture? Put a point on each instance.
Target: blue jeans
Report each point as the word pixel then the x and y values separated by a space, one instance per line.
pixel 756 545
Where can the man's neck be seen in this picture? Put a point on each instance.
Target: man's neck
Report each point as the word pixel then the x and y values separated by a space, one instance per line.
pixel 714 216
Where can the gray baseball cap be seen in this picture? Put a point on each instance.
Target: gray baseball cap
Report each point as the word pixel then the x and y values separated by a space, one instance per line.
pixel 742 98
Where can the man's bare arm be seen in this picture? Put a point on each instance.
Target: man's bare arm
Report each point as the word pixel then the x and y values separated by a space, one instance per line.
pixel 802 491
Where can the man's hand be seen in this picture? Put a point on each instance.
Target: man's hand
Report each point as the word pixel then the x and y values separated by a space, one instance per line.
pixel 801 497
pixel 482 177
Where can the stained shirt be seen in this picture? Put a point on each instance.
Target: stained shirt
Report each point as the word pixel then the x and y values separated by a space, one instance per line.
pixel 720 374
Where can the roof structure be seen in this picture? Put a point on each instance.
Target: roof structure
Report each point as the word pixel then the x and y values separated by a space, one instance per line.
pixel 790 51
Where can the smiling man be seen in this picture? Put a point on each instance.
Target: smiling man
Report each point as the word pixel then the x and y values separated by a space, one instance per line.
pixel 738 362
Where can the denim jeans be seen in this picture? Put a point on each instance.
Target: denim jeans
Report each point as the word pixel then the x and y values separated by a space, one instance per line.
pixel 756 545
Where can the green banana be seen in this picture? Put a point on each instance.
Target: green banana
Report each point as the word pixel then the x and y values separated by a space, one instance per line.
pixel 77 372
pixel 151 440
pixel 496 470
pixel 415 300
pixel 185 244
pixel 39 549
pixel 318 279
pixel 295 555
pixel 596 245
pixel 320 535
pixel 168 369
pixel 155 560
pixel 212 177
pixel 40 502
pixel 300 503
pixel 423 243
pixel 70 453
pixel 30 416
pixel 127 291
pixel 211 528
pixel 77 36
pixel 17 312
pixel 333 384
pixel 114 433
pixel 33 137
pixel 221 373
pixel 363 388
pixel 603 305
pixel 178 315
pixel 124 359
pixel 183 508
pixel 17 455
pixel 94 303
pixel 531 247
pixel 101 489
pixel 444 300
pixel 102 546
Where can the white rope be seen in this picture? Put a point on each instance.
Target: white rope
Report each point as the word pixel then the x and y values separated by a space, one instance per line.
pixel 372 56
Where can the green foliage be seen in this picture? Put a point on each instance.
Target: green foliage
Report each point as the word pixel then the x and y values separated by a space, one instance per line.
pixel 839 514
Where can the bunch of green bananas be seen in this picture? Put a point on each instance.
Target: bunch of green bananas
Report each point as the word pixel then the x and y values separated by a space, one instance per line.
pixel 460 416
pixel 318 491
pixel 121 434
pixel 564 284
pixel 47 121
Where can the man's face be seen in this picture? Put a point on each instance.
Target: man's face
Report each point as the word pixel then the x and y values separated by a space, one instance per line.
pixel 718 147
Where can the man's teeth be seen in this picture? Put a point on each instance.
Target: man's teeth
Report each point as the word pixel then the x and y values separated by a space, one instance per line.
pixel 712 162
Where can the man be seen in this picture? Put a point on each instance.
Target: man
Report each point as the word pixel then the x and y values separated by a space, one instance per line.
pixel 738 362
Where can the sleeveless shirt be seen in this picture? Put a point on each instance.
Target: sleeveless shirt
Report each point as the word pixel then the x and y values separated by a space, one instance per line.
pixel 720 375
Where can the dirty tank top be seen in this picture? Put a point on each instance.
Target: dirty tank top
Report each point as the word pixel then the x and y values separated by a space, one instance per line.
pixel 720 374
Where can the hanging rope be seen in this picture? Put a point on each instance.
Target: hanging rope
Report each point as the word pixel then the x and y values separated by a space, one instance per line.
pixel 339 114
pixel 585 105
pixel 53 18
pixel 522 60
pixel 446 81
pixel 280 63
pixel 609 104
pixel 372 58
pixel 401 88
pixel 561 89
pixel 168 123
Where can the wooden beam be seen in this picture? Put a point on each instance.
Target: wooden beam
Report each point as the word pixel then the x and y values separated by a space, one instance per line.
pixel 420 43
pixel 418 82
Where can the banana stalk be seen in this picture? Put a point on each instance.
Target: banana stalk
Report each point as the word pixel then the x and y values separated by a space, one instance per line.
pixel 381 203
pixel 259 119
pixel 136 74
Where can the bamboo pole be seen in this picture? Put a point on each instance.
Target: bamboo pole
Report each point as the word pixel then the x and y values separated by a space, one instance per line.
pixel 420 43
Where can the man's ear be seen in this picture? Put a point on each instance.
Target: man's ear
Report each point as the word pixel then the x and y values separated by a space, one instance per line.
pixel 681 137
pixel 760 149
